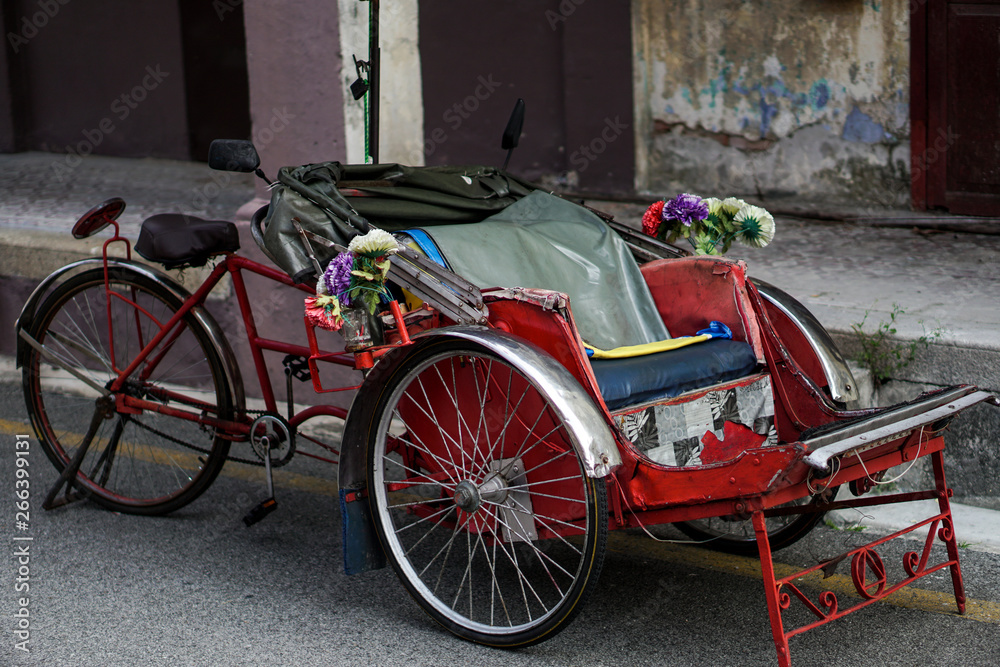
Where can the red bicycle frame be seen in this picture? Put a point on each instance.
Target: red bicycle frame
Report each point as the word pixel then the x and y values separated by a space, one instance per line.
pixel 238 429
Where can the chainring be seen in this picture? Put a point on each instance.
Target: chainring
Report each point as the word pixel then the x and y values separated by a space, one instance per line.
pixel 280 437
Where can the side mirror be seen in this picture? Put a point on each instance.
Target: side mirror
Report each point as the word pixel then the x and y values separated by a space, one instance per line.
pixel 233 155
pixel 512 133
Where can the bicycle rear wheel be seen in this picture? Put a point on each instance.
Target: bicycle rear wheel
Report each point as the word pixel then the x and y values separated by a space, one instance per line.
pixel 146 463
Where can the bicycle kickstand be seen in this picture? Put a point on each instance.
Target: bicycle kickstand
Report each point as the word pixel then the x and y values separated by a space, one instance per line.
pixel 102 409
pixel 269 504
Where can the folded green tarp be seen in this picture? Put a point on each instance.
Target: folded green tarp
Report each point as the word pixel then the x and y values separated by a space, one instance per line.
pixel 544 241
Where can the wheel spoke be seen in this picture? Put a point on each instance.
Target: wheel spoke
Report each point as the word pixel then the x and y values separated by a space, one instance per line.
pixel 470 560
pixel 521 577
pixel 151 465
pixel 426 450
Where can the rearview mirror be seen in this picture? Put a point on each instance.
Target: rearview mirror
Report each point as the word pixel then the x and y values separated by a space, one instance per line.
pixel 512 134
pixel 233 155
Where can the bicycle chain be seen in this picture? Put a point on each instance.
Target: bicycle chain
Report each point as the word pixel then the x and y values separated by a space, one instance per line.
pixel 178 441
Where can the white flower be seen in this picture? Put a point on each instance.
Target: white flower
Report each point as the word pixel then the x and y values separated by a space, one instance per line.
pixel 731 206
pixel 375 243
pixel 714 206
pixel 754 226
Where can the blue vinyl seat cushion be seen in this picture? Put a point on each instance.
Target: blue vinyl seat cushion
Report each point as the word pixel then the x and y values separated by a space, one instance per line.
pixel 634 380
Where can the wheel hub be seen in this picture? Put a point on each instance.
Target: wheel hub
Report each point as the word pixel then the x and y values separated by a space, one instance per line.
pixel 470 496
pixel 467 496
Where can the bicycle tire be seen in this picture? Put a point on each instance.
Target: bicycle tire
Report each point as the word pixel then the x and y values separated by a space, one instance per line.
pixel 148 463
pixel 735 535
pixel 539 527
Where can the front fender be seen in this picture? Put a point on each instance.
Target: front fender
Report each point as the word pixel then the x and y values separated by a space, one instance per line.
pixel 591 439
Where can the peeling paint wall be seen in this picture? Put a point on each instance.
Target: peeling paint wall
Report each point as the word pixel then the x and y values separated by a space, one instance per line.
pixel 773 97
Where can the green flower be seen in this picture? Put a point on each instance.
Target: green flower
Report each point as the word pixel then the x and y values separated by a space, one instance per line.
pixel 714 206
pixel 754 226
pixel 732 205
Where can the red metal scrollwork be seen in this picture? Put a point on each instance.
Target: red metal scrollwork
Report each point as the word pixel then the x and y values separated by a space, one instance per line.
pixel 946 532
pixel 864 560
pixel 829 600
pixel 911 563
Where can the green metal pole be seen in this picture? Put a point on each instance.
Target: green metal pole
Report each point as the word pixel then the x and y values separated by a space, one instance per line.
pixel 374 56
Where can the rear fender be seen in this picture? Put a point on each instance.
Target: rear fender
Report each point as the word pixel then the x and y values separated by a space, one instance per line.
pixel 204 318
pixel 840 381
pixel 591 437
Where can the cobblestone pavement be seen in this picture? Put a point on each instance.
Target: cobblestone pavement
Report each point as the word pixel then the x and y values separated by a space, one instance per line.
pixel 940 280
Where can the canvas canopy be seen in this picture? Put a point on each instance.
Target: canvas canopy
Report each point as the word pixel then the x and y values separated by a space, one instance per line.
pixel 492 228
pixel 339 201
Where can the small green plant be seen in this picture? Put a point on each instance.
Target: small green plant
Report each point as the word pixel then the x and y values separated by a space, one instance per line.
pixel 856 528
pixel 880 353
pixel 964 545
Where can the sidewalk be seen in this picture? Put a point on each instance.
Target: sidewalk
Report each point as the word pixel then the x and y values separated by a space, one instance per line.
pixel 976 528
pixel 943 282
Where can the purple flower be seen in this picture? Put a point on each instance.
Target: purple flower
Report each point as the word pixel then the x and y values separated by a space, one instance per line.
pixel 685 208
pixel 337 276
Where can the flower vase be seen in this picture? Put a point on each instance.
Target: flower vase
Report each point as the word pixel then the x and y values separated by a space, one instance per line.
pixel 361 329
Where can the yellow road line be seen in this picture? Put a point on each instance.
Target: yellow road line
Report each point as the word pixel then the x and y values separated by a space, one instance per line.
pixel 189 461
pixel 908 598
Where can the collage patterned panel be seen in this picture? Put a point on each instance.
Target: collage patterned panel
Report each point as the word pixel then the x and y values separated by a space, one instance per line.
pixel 714 427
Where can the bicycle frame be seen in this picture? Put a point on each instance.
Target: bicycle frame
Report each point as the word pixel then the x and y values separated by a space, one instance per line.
pixel 239 429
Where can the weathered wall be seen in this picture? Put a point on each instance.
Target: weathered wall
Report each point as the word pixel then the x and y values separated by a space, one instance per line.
pixel 773 97
pixel 401 122
pixel 293 65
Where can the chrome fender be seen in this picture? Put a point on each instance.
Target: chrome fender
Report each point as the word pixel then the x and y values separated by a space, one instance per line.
pixel 843 387
pixel 589 433
pixel 218 339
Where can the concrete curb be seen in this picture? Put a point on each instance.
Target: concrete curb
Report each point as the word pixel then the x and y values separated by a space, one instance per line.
pixel 976 528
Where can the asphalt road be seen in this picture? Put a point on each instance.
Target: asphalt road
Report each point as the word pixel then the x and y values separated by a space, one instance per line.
pixel 198 588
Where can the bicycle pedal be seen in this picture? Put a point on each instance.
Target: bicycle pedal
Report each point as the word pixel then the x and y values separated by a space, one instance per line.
pixel 261 511
pixel 297 367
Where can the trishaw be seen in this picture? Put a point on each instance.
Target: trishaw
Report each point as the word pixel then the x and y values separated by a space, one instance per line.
pixel 537 375
pixel 485 455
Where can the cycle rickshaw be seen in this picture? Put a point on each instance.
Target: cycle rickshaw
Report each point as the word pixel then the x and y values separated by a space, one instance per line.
pixel 487 451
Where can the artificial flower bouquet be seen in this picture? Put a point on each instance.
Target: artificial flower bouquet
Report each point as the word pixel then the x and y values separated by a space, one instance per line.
pixel 710 225
pixel 353 279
